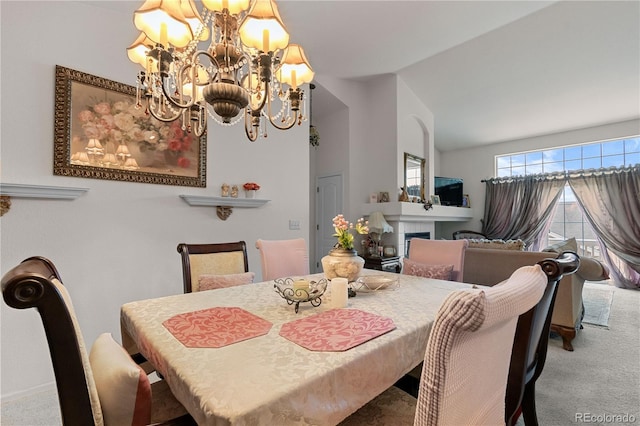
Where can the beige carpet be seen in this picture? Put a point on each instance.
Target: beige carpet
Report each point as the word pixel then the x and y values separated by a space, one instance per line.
pixel 599 379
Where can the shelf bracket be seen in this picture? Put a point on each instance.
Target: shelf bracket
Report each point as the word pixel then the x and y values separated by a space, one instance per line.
pixel 5 204
pixel 224 212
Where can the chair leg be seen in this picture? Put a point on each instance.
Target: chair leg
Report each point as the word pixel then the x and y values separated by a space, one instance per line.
pixel 514 417
pixel 529 404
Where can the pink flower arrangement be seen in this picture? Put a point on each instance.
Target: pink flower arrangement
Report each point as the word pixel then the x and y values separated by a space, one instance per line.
pixel 343 230
pixel 251 186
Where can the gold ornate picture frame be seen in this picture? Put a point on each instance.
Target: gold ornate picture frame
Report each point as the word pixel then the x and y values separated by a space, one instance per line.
pixel 100 133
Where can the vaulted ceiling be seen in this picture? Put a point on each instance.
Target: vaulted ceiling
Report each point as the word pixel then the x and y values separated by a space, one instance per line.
pixel 490 71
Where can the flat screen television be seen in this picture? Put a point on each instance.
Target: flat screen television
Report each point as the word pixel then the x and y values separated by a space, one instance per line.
pixel 449 190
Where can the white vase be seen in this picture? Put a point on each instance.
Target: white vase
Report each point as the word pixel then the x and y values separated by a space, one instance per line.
pixel 342 263
pixel 249 193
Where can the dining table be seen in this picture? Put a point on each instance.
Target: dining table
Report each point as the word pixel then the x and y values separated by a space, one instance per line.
pixel 243 356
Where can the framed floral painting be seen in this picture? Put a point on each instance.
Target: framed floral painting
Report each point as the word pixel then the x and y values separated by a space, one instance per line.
pixel 101 133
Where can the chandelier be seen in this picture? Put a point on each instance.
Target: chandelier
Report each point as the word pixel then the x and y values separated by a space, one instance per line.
pixel 250 70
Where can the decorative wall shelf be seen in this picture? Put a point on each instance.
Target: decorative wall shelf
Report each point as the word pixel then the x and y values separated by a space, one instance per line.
pixel 18 190
pixel 224 205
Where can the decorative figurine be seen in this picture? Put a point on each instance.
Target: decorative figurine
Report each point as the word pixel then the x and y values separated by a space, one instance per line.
pixel 234 191
pixel 404 196
pixel 225 189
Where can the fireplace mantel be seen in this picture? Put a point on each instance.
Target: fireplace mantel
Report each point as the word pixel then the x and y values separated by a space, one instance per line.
pixel 411 218
pixel 414 212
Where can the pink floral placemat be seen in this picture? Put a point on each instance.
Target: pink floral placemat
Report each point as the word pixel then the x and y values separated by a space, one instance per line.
pixel 336 330
pixel 216 327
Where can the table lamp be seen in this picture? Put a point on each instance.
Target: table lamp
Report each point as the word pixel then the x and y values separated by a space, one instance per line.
pixel 378 226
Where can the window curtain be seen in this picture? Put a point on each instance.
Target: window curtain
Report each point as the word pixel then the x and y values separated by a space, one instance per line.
pixel 610 200
pixel 520 207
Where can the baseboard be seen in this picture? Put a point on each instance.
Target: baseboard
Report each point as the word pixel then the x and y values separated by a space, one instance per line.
pixel 11 397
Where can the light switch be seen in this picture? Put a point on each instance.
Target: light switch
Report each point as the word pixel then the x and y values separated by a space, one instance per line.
pixel 294 225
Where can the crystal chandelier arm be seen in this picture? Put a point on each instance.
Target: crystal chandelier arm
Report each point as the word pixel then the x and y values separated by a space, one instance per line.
pixel 159 117
pixel 194 90
pixel 286 126
pixel 294 96
pixel 263 64
pixel 252 124
pixel 199 119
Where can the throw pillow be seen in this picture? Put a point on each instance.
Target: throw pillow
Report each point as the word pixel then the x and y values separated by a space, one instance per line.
pixel 566 245
pixel 123 387
pixel 438 272
pixel 497 244
pixel 211 282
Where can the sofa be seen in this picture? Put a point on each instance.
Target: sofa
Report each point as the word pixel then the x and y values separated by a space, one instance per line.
pixel 489 266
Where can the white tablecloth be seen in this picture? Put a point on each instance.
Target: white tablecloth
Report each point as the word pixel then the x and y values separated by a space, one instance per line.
pixel 269 380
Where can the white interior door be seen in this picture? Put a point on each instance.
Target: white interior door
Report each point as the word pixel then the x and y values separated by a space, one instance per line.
pixel 328 205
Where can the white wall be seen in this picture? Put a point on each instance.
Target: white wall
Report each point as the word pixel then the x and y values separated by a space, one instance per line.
pixel 116 243
pixel 476 164
pixel 331 157
pixel 415 134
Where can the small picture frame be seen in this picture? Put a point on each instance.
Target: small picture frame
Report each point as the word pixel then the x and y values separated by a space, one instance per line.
pixel 384 197
pixel 435 200
pixel 465 201
pixel 373 198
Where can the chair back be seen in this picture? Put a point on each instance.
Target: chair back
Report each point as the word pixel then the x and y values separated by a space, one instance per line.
pixel 35 283
pixel 532 336
pixel 468 235
pixel 283 258
pixel 217 258
pixel 440 252
pixel 464 378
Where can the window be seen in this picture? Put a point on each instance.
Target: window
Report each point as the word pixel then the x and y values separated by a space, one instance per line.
pixel 568 220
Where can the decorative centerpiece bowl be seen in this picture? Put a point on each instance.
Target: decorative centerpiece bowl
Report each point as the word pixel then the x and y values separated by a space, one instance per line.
pixel 293 292
pixel 342 263
pixel 369 283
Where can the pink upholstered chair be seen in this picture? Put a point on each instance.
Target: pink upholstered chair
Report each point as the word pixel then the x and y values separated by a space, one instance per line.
pixel 424 254
pixel 467 359
pixel 283 258
pixel 103 387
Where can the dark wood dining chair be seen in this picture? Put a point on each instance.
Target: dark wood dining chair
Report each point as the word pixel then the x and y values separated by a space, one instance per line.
pixel 397 407
pixel 214 258
pixel 467 358
pixel 531 341
pixel 103 387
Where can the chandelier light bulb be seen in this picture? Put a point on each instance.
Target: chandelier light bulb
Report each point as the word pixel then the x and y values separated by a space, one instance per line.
pixel 263 29
pixel 294 68
pixel 163 22
pixel 139 49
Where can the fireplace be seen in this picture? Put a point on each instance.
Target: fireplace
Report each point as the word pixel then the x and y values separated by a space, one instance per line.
pixel 409 235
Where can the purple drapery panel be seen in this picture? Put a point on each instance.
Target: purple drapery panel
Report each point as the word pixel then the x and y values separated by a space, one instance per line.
pixel 520 207
pixel 610 200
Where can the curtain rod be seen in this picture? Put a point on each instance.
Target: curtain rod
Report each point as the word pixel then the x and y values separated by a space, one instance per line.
pixel 568 174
